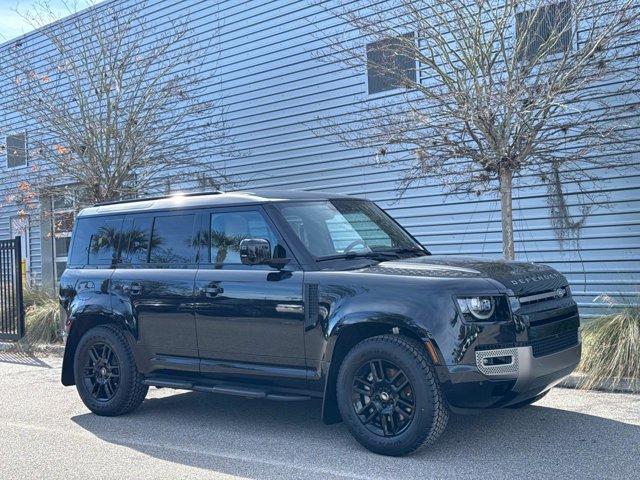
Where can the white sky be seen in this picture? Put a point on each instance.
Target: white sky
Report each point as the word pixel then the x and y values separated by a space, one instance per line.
pixel 12 25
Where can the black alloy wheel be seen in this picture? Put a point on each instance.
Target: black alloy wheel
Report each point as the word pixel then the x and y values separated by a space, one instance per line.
pixel 383 398
pixel 102 372
pixel 105 372
pixel 389 395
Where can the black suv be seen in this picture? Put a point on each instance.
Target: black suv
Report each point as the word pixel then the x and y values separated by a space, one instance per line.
pixel 292 295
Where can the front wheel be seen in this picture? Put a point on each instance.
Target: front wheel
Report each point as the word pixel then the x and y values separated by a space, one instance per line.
pixel 105 373
pixel 389 396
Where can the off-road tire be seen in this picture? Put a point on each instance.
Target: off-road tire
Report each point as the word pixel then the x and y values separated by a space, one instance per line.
pixel 530 401
pixel 431 414
pixel 130 392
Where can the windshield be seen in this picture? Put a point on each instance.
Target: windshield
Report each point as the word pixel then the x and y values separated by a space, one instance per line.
pixel 343 228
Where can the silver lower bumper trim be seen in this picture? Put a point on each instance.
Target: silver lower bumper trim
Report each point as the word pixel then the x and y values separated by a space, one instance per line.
pixel 520 364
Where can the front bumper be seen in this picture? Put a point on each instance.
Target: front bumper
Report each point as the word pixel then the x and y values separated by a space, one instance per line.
pixel 506 376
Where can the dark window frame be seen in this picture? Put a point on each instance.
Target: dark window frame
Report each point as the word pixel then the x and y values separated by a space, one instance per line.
pixel 381 82
pixel 529 49
pixel 25 141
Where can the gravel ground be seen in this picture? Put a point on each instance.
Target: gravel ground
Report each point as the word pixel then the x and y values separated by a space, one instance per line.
pixel 46 432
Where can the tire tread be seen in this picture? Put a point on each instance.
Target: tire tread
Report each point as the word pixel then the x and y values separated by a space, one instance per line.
pixel 138 390
pixel 441 412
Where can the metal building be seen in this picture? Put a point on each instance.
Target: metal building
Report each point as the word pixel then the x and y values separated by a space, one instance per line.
pixel 275 91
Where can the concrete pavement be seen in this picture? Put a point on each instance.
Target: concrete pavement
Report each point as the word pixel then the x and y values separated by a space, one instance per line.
pixel 46 432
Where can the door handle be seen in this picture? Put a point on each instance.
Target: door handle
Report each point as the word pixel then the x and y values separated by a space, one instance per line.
pixel 135 288
pixel 212 291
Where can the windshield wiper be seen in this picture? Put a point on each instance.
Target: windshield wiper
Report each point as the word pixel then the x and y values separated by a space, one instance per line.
pixel 375 254
pixel 352 255
pixel 411 250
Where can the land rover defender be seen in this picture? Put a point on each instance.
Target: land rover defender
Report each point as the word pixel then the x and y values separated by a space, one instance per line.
pixel 292 295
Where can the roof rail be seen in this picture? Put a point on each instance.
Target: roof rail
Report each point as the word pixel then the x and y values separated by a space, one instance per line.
pixel 145 199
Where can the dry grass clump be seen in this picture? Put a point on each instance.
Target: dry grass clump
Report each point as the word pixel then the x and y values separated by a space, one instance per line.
pixel 611 347
pixel 42 319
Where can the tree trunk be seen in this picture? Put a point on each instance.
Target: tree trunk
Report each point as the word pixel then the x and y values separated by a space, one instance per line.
pixel 506 208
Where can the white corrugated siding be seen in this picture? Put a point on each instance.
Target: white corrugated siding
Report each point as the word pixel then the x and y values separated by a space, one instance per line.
pixel 275 91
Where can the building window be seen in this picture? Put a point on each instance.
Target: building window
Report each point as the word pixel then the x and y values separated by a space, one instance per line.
pixel 389 65
pixel 20 228
pixel 63 211
pixel 546 29
pixel 16 147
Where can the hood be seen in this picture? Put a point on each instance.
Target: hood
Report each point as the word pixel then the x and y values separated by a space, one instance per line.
pixel 519 277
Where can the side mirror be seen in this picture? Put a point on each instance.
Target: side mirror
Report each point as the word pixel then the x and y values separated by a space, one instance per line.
pixel 255 251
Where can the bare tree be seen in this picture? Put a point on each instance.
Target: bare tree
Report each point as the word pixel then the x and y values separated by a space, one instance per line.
pixel 503 89
pixel 115 102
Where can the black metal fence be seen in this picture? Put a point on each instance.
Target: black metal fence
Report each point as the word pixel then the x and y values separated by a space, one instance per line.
pixel 11 299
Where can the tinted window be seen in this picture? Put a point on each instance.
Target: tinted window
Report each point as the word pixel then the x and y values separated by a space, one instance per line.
pixel 355 226
pixel 96 241
pixel 62 246
pixel 135 249
pixel 547 27
pixel 389 64
pixel 172 240
pixel 345 227
pixel 228 229
pixel 16 150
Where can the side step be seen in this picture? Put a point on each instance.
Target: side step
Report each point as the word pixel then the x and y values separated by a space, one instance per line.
pixel 226 389
pixel 168 384
pixel 232 390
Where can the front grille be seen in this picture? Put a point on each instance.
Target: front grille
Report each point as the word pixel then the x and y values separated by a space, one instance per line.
pixel 544 296
pixel 556 343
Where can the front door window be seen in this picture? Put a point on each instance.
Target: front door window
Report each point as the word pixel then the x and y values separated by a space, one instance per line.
pixel 228 229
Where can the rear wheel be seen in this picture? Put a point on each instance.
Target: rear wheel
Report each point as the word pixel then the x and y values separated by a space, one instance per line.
pixel 105 373
pixel 389 396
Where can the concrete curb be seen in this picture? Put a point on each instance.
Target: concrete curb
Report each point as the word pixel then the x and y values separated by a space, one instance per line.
pixel 576 380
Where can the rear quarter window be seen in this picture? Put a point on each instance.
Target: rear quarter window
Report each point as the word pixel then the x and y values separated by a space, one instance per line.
pixel 96 241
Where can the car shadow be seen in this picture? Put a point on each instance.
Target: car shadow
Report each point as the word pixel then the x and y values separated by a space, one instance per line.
pixel 263 439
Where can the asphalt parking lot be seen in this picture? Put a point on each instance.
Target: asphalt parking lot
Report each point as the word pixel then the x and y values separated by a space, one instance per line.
pixel 46 432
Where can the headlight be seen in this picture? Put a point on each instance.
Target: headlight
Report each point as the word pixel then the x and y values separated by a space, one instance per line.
pixel 514 302
pixel 480 308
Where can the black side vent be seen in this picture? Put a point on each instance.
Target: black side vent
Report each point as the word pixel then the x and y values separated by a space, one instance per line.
pixel 310 305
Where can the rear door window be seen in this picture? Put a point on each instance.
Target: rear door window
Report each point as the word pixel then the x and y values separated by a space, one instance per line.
pixel 172 240
pixel 96 241
pixel 136 238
